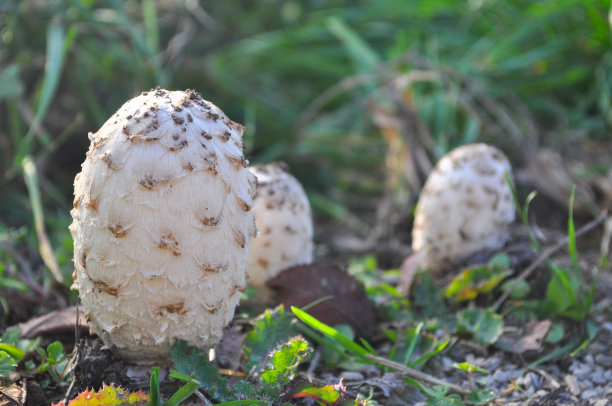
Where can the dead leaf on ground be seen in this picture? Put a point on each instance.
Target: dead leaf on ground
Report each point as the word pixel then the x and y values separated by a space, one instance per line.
pixel 531 338
pixel 302 285
pixel 13 395
pixel 28 394
pixel 60 322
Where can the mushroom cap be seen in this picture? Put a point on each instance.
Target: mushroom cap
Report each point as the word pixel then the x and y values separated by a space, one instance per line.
pixel 284 225
pixel 466 206
pixel 161 224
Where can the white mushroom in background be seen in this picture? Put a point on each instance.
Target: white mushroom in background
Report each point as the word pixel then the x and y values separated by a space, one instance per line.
pixel 284 226
pixel 466 206
pixel 162 223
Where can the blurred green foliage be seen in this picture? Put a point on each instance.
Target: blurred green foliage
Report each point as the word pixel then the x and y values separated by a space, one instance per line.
pixel 315 82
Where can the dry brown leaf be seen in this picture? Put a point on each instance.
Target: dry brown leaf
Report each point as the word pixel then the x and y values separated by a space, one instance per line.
pixel 531 338
pixel 59 322
pixel 302 285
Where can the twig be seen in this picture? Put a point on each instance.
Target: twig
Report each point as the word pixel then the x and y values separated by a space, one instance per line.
pixel 607 236
pixel 314 363
pixel 203 398
pixel 553 382
pixel 545 255
pixel 413 373
pixel 68 391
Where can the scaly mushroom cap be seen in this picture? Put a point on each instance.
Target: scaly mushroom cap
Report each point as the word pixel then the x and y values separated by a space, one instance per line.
pixel 465 206
pixel 284 225
pixel 161 224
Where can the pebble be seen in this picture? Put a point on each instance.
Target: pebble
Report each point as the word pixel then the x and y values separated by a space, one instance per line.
pixel 578 368
pixel 589 359
pixel 572 384
pixel 588 394
pixel 598 376
pixel 604 360
pixel 506 375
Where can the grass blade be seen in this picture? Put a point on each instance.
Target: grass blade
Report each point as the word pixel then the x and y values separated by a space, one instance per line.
pixel 154 388
pixel 330 332
pixel 149 16
pixel 571 233
pixel 413 342
pixel 361 53
pixel 44 246
pixel 57 44
pixel 421 360
pixel 183 393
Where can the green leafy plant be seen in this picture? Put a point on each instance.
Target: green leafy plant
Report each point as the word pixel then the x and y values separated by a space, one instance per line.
pixel 413 347
pixel 567 294
pixel 283 361
pixel 180 395
pixel 269 330
pixel 469 368
pixel 273 352
pixel 479 280
pixel 53 360
pixel 484 325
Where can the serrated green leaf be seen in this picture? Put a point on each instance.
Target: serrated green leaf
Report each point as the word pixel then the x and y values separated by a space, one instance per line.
pixel 191 363
pixel 284 360
pixel 7 364
pixel 270 329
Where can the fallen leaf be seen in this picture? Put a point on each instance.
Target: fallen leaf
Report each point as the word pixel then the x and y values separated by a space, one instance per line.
pixel 59 322
pixel 12 395
pixel 531 338
pixel 343 298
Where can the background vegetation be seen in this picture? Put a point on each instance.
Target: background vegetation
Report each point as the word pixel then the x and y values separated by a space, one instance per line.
pixel 359 97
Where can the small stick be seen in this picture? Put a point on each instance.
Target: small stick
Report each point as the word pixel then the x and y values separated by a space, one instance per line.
pixel 413 373
pixel 203 398
pixel 545 255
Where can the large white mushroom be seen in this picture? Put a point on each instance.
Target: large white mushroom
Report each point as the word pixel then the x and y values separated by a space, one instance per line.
pixel 284 226
pixel 162 223
pixel 466 206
